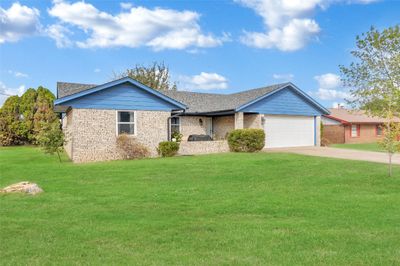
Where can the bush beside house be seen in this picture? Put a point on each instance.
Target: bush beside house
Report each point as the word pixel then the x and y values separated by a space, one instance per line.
pixel 130 148
pixel 168 148
pixel 246 140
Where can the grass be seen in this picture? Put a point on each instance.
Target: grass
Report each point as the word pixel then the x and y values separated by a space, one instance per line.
pixel 360 146
pixel 228 209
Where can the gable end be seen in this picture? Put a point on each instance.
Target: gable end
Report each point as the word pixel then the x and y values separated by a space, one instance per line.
pixel 288 100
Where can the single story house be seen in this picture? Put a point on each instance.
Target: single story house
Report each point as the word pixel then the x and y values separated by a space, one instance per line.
pixel 94 115
pixel 351 126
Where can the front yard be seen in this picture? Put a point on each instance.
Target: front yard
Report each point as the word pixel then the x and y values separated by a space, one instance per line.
pixel 360 146
pixel 242 209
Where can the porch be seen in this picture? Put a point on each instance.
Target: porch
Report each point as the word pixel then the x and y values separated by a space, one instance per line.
pixel 217 127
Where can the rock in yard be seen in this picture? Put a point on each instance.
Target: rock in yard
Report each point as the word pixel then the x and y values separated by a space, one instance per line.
pixel 23 187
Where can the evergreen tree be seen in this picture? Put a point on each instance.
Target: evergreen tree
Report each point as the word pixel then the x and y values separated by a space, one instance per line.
pixel 10 122
pixel 27 109
pixel 44 110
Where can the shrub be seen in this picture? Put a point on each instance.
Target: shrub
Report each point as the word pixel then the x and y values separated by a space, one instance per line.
pixel 130 148
pixel 246 140
pixel 168 148
pixel 52 138
pixel 177 137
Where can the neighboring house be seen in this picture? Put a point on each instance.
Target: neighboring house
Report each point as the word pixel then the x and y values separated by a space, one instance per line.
pixel 350 126
pixel 93 117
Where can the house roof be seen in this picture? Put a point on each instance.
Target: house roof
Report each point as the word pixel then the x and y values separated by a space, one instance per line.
pixel 68 88
pixel 63 100
pixel 354 116
pixel 210 102
pixel 194 101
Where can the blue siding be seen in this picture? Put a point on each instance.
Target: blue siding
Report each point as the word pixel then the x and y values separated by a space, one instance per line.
pixel 284 102
pixel 123 96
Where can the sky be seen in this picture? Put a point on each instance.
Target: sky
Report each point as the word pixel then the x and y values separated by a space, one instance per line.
pixel 209 46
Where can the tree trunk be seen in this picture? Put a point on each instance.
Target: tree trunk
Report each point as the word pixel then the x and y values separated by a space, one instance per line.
pixel 390 164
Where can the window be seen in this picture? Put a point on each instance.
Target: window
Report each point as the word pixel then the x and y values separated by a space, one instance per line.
pixel 126 123
pixel 379 130
pixel 355 131
pixel 175 125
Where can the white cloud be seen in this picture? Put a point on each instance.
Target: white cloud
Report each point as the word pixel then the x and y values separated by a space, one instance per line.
pixel 59 33
pixel 291 37
pixel 157 28
pixel 17 22
pixel 289 24
pixel 328 81
pixel 325 94
pixel 204 81
pixel 330 87
pixel 285 77
pixel 17 74
pixel 97 70
pixel 366 2
pixel 126 5
pixel 6 92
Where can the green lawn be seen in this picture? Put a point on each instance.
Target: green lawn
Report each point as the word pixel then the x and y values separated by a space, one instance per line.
pixel 361 146
pixel 230 209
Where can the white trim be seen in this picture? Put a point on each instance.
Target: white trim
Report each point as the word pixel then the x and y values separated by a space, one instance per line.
pixel 356 128
pixel 170 124
pixel 134 122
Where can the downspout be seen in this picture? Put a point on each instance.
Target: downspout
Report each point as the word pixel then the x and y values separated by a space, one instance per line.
pixel 169 123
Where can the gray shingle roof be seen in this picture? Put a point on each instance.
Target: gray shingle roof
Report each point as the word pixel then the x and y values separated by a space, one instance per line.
pixel 68 88
pixel 195 101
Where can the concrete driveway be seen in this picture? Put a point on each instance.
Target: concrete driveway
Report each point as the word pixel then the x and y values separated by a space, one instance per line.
pixel 378 157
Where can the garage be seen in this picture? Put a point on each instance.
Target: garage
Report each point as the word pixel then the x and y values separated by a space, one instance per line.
pixel 289 131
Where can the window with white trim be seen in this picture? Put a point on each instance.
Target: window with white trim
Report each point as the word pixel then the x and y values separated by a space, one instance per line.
pixel 354 130
pixel 175 125
pixel 379 130
pixel 126 123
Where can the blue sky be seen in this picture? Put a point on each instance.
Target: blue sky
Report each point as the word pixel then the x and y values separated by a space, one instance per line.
pixel 209 46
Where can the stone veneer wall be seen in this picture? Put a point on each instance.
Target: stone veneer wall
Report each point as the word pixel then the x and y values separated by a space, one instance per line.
pixel 203 147
pixel 239 120
pixel 318 131
pixel 190 125
pixel 94 133
pixel 252 121
pixel 67 128
pixel 223 125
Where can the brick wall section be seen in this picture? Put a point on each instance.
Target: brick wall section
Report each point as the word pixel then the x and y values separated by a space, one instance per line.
pixel 67 128
pixel 367 134
pixel 252 121
pixel 203 147
pixel 239 123
pixel 190 125
pixel 94 133
pixel 223 125
pixel 318 131
pixel 333 134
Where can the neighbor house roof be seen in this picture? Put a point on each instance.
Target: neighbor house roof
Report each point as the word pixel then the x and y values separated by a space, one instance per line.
pixel 194 101
pixel 354 116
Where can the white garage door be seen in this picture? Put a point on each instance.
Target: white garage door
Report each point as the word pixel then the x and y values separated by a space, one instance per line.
pixel 288 131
